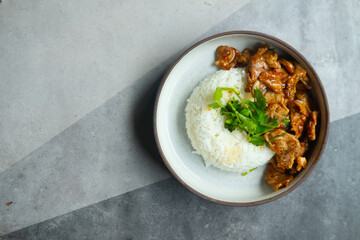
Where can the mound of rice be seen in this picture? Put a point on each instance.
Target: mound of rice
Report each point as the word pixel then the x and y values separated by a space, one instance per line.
pixel 218 146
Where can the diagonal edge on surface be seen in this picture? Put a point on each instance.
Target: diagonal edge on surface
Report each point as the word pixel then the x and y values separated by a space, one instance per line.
pixel 165 208
pixel 61 60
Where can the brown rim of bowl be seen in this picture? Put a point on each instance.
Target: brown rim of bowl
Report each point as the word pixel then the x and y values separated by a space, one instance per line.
pixel 317 157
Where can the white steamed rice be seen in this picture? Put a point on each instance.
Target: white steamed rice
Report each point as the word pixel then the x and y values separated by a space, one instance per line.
pixel 205 126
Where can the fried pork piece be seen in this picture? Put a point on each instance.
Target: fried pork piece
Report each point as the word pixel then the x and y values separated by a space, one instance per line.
pixel 312 124
pixel 300 163
pixel 279 111
pixel 283 73
pixel 257 85
pixel 302 86
pixel 301 74
pixel 274 164
pixel 273 79
pixel 271 58
pixel 286 146
pixel 276 106
pixel 291 82
pixel 302 96
pixel 285 160
pixel 273 97
pixel 227 57
pixel 245 56
pixel 304 79
pixel 298 114
pixel 305 82
pixel 290 88
pixel 304 146
pixel 277 179
pixel 256 66
pixel 272 82
pixel 262 49
pixel 288 65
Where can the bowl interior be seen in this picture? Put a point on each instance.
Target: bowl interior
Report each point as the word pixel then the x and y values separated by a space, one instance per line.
pixel 175 147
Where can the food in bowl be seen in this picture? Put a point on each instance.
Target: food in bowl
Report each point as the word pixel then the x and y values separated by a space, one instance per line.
pixel 256 110
pixel 224 149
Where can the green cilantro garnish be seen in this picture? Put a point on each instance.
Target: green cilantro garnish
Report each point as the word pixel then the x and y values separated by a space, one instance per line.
pixel 260 100
pixel 245 173
pixel 272 49
pixel 286 121
pixel 252 169
pixel 246 116
pixel 257 140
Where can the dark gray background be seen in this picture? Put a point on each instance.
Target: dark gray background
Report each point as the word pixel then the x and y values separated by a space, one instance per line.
pixel 325 206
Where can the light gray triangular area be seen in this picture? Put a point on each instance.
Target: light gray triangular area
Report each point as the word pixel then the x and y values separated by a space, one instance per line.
pixel 109 152
pixel 325 206
pixel 59 60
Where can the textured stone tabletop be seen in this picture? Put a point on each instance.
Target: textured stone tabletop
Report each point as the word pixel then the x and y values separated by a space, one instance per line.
pixel 77 87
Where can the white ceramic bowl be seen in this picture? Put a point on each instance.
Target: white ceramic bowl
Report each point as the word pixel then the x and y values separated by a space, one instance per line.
pixel 184 75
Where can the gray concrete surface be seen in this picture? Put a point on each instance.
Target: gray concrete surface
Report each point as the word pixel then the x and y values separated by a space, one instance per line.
pixel 69 136
pixel 325 206
pixel 62 59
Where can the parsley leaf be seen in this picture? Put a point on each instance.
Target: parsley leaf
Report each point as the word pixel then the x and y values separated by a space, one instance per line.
pixel 214 105
pixel 260 100
pixel 249 116
pixel 257 140
pixel 217 95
